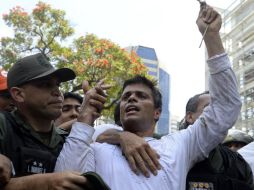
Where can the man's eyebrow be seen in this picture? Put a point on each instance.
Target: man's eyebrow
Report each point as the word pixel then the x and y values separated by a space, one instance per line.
pixel 131 91
pixel 126 93
pixel 70 105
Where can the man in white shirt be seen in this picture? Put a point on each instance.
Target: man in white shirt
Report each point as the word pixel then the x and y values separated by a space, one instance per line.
pixel 140 108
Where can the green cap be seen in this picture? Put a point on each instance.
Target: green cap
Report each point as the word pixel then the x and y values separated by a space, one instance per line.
pixel 35 67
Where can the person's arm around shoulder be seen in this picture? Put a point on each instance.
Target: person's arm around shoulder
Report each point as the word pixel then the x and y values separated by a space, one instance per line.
pixel 137 151
pixel 101 131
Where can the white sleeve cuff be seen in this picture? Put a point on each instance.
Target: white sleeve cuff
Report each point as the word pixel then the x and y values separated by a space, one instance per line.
pixel 82 131
pixel 218 63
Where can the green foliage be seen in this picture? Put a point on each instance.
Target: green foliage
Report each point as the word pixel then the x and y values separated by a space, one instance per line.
pixel 94 59
pixel 45 29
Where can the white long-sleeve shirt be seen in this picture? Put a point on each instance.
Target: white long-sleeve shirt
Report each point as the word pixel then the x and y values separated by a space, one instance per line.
pixel 247 153
pixel 178 151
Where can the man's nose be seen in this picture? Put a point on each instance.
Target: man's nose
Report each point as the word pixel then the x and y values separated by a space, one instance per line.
pixel 56 91
pixel 132 98
pixel 74 113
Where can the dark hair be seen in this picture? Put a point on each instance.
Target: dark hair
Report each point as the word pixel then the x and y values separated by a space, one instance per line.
pixel 117 114
pixel 192 104
pixel 138 79
pixel 73 96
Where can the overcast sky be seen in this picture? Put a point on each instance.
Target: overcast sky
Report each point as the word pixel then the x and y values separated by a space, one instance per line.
pixel 166 25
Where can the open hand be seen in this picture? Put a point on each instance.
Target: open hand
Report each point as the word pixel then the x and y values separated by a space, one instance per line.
pixel 139 154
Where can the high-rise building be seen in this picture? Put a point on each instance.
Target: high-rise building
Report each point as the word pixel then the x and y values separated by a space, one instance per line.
pixel 149 58
pixel 163 126
pixel 238 39
pixel 174 122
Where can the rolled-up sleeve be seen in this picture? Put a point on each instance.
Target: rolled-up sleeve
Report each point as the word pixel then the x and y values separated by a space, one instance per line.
pixel 77 155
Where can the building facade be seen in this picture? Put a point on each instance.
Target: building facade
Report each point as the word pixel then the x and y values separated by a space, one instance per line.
pixel 149 58
pixel 238 39
pixel 163 126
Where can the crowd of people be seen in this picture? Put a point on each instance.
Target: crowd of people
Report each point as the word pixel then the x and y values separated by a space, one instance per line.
pixel 48 139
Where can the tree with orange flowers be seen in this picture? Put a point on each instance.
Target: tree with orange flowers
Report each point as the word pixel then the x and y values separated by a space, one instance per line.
pixel 94 59
pixel 43 30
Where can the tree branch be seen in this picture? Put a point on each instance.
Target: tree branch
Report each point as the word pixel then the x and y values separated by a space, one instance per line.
pixel 54 36
pixel 27 49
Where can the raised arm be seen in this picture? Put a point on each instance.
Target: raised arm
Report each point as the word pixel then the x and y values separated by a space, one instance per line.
pixel 222 112
pixel 225 105
pixel 77 144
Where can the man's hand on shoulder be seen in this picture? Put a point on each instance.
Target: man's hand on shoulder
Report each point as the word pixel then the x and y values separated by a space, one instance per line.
pixel 139 154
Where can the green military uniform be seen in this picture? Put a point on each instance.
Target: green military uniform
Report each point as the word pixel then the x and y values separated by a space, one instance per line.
pixel 30 151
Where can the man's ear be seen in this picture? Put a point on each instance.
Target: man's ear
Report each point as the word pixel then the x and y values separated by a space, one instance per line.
pixel 189 117
pixel 157 114
pixel 18 94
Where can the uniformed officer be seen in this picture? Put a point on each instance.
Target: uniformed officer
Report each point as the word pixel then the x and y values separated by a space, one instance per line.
pixel 27 136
